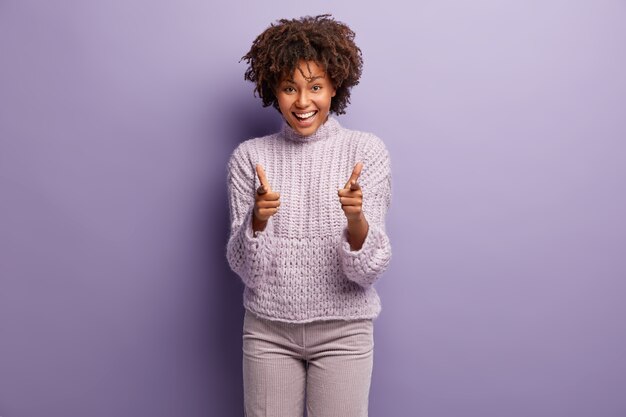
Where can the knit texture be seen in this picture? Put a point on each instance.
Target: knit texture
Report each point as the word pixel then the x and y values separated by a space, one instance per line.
pixel 300 268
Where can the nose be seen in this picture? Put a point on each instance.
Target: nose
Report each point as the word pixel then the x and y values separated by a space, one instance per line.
pixel 302 101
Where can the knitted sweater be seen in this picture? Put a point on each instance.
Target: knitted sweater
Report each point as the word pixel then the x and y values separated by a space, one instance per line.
pixel 301 268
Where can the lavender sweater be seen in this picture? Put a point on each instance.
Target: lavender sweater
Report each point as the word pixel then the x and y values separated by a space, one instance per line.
pixel 300 268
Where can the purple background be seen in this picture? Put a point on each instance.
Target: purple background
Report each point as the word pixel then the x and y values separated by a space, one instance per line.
pixel 506 126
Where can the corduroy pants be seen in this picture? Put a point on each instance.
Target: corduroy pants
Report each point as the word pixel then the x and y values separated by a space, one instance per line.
pixel 327 362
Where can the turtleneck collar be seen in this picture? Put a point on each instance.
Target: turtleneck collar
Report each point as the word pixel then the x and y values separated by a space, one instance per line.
pixel 328 129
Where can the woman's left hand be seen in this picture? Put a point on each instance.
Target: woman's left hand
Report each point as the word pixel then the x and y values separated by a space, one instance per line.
pixel 351 196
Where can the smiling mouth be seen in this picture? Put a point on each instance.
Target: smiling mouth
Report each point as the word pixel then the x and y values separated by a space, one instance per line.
pixel 305 116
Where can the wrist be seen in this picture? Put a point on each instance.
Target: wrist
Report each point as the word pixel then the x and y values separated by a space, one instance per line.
pixel 357 231
pixel 357 221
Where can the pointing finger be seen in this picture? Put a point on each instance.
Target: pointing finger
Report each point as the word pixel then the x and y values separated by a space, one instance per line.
pixel 355 174
pixel 265 186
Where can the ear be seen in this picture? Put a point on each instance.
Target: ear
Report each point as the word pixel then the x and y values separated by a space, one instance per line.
pixel 334 92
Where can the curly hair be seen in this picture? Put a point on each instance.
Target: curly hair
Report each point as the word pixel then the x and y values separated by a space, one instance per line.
pixel 275 54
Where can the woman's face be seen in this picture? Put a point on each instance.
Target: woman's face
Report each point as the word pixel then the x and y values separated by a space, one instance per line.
pixel 304 100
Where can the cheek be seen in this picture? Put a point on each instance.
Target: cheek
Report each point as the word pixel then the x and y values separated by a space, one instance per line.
pixel 285 107
pixel 282 102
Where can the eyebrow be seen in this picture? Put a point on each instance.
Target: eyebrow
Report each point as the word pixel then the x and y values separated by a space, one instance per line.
pixel 291 80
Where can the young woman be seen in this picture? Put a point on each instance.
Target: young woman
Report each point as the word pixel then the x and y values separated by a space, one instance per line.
pixel 308 207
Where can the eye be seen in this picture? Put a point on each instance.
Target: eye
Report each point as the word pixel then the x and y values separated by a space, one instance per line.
pixel 289 90
pixel 316 88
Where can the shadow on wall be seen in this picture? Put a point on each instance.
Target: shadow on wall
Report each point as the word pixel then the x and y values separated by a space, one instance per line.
pixel 239 118
pixel 247 118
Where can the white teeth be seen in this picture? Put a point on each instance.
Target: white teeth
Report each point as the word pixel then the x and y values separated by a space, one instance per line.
pixel 304 115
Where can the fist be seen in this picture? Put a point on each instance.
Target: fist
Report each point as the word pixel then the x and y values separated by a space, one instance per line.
pixel 351 195
pixel 266 202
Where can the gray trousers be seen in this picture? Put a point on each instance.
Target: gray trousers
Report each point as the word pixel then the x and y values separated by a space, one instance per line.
pixel 327 362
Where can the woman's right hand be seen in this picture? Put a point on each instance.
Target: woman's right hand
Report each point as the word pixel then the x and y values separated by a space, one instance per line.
pixel 266 202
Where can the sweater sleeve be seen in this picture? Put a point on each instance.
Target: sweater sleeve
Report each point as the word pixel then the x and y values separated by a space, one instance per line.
pixel 365 265
pixel 249 254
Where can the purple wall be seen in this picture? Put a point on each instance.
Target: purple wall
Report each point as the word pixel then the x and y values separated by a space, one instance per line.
pixel 506 126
